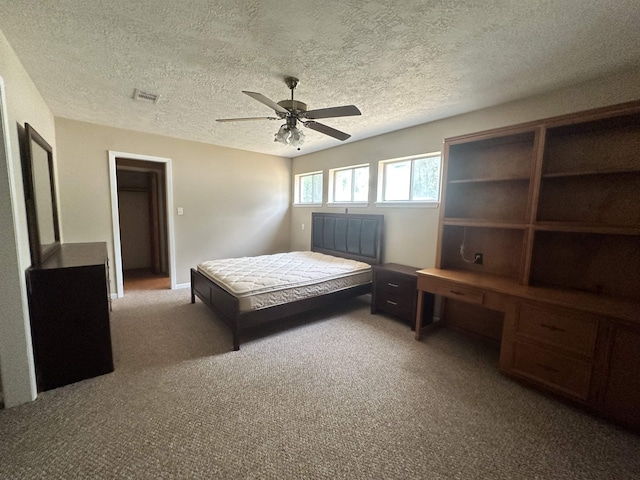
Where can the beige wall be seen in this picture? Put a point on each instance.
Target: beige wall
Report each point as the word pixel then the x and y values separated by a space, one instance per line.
pixel 411 233
pixel 235 202
pixel 24 104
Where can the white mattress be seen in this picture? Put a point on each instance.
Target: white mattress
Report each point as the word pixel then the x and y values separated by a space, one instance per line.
pixel 268 280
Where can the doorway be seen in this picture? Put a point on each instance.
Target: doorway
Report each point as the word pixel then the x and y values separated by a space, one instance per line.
pixel 141 199
pixel 143 233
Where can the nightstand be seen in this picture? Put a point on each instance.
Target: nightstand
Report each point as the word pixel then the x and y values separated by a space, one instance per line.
pixel 395 291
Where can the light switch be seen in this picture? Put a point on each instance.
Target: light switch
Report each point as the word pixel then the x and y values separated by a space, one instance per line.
pixel 180 211
pixel 303 226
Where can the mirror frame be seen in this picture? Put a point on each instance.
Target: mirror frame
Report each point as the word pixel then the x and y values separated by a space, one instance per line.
pixel 39 252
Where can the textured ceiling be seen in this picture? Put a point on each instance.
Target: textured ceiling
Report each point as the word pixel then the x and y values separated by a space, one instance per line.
pixel 401 62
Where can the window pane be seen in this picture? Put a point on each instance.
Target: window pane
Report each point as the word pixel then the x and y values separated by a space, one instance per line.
pixel 361 184
pixel 342 186
pixel 317 188
pixel 397 177
pixel 426 178
pixel 306 189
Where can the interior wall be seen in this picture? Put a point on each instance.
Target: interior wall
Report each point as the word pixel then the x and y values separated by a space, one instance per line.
pixel 24 104
pixel 235 203
pixel 411 233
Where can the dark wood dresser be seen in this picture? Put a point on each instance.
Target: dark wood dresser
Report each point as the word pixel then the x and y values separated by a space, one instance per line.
pixel 69 311
pixel 395 292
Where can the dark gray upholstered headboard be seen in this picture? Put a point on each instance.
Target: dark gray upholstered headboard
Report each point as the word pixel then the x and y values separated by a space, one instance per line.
pixel 358 237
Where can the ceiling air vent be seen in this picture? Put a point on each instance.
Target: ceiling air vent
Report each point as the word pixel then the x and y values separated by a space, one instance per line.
pixel 144 96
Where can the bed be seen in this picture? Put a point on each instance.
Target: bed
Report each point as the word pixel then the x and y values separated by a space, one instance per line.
pixel 339 242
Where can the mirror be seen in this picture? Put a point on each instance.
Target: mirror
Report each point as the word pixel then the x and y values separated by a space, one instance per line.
pixel 40 197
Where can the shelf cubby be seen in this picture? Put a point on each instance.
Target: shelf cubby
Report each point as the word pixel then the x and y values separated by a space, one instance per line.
pixel 502 249
pixel 496 201
pixel 507 157
pixel 601 264
pixel 606 199
pixel 604 145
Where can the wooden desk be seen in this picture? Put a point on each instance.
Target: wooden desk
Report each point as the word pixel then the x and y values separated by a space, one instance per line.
pixel 578 345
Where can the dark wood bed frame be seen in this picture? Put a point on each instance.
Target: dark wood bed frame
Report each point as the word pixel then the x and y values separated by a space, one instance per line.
pixel 353 236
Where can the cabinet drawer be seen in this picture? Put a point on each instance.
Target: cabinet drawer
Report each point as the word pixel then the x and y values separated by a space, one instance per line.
pixel 457 292
pixel 569 330
pixel 561 372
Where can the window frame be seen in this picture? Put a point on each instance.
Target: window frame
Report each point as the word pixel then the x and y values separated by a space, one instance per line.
pixel 297 190
pixel 331 193
pixel 382 182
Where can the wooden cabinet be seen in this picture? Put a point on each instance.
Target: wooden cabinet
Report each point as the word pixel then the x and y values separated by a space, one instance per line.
pixel 552 346
pixel 553 207
pixel 69 314
pixel 395 292
pixel 621 380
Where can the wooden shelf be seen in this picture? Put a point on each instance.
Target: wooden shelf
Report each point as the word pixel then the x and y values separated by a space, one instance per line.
pixel 469 222
pixel 489 179
pixel 586 228
pixel 570 174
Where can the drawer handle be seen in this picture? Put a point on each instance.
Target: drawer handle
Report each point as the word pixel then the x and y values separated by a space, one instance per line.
pixel 392 303
pixel 394 285
pixel 553 328
pixel 547 368
pixel 456 292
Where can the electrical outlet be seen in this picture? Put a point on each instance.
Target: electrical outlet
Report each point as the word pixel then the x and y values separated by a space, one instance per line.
pixel 477 259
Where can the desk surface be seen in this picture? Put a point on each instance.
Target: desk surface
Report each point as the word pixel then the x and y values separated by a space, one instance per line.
pixel 621 308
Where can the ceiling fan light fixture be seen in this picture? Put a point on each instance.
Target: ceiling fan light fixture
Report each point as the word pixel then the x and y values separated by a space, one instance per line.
pixel 297 137
pixel 292 136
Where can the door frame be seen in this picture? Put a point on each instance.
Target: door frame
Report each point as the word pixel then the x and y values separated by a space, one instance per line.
pixel 115 216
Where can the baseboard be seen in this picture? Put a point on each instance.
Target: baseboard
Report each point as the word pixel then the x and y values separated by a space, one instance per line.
pixel 182 285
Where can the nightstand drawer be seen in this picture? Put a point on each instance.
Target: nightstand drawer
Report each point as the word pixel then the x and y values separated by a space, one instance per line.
pixel 571 331
pixel 394 284
pixel 398 307
pixel 561 372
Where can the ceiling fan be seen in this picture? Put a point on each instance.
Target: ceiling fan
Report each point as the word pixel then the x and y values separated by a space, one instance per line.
pixel 294 111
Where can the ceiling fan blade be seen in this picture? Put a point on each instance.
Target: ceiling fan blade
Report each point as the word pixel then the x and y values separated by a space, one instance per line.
pixel 322 128
pixel 245 119
pixel 344 111
pixel 269 103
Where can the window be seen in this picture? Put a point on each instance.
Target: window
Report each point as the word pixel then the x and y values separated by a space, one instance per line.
pixel 349 185
pixel 308 188
pixel 410 180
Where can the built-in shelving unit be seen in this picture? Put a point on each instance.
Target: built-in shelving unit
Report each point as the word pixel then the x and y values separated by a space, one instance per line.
pixel 553 206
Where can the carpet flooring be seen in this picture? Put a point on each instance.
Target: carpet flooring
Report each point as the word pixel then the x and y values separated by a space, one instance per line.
pixel 334 394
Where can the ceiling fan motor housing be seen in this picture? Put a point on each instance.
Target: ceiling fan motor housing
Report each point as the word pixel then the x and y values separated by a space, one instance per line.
pixel 294 106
